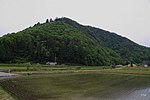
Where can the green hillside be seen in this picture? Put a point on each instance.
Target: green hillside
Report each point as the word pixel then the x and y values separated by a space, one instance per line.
pixel 127 49
pixel 68 42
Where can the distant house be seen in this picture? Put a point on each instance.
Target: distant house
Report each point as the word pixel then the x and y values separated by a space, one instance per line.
pixel 51 63
pixel 146 63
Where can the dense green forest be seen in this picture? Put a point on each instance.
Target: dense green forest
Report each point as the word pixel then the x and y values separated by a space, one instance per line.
pixel 67 42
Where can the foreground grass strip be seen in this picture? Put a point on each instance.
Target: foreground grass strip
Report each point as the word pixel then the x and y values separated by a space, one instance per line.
pixel 16 90
pixel 4 95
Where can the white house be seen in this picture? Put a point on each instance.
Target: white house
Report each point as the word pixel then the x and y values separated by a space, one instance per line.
pixel 51 63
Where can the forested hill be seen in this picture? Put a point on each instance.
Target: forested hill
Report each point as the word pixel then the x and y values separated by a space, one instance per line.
pixel 65 41
pixel 127 49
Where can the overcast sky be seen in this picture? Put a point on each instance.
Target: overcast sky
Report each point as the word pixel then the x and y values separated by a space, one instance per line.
pixel 129 18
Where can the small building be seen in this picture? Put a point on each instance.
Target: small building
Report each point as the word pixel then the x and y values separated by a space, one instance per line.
pixel 51 63
pixel 146 63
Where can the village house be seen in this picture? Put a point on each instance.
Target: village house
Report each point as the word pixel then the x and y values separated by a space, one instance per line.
pixel 146 63
pixel 51 63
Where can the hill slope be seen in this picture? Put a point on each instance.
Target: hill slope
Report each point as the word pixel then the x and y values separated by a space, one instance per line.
pixel 66 41
pixel 127 49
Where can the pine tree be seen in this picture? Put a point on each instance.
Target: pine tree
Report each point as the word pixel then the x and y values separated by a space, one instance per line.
pixel 47 20
pixel 51 20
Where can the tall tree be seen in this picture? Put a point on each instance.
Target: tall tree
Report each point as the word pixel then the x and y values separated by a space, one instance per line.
pixel 47 20
pixel 51 20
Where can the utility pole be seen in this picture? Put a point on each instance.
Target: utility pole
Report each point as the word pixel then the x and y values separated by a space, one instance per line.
pixel 55 58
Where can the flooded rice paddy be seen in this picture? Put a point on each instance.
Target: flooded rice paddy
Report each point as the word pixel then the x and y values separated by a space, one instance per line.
pixel 79 86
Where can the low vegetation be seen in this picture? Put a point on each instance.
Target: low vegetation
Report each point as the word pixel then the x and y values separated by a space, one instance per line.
pixel 27 67
pixel 144 71
pixel 4 95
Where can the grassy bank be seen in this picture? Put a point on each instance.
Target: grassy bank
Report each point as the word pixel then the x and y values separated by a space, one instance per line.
pixel 128 70
pixel 26 67
pixel 4 95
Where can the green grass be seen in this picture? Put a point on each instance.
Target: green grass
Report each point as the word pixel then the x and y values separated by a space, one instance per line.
pixel 132 71
pixel 73 86
pixel 46 68
pixel 4 95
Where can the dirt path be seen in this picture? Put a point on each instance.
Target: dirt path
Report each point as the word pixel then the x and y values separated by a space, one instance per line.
pixel 3 74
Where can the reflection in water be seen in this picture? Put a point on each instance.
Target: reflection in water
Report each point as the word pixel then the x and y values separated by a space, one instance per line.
pixel 137 94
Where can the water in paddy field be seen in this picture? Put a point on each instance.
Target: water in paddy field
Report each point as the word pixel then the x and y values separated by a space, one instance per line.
pixel 141 94
pixel 101 88
pixel 136 94
pixel 133 94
